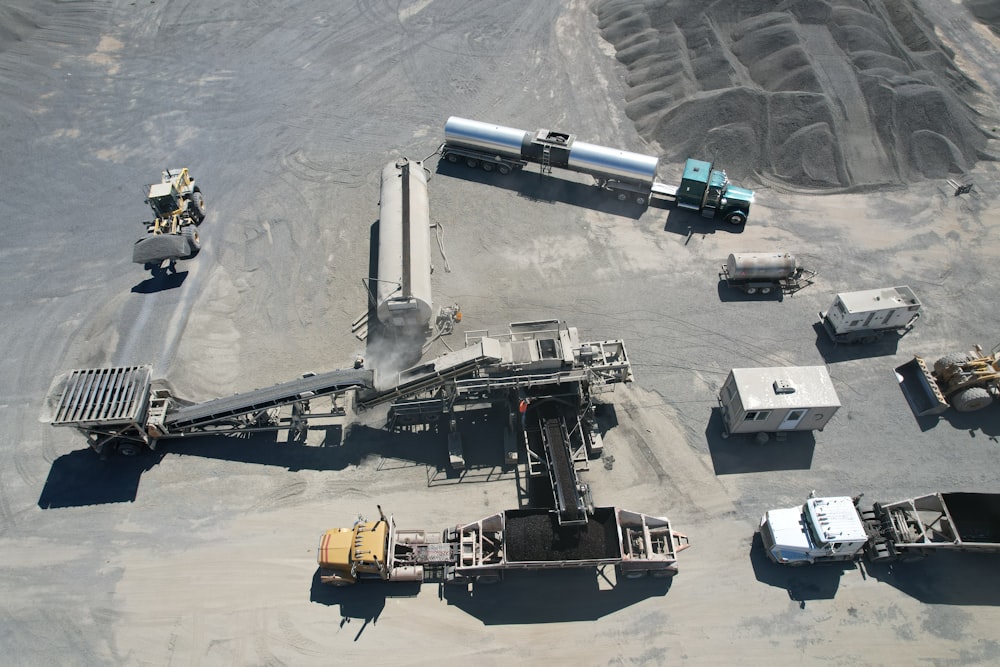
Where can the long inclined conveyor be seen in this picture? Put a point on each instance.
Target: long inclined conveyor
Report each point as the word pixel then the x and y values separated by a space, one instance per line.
pixel 301 389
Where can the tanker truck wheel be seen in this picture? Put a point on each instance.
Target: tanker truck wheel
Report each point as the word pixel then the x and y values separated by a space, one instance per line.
pixel 471 162
pixel 971 399
pixel 503 169
pixel 751 290
pixel 641 201
pixel 736 218
pixel 487 166
pixel 765 290
pixel 452 157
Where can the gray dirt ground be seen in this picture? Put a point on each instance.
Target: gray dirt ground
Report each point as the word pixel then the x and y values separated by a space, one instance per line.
pixel 205 554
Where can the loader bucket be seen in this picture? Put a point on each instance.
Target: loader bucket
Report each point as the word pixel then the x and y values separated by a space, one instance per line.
pixel 158 247
pixel 920 388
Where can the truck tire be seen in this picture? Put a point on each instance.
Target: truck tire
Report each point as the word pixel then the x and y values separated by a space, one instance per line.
pixel 971 399
pixel 471 162
pixel 487 166
pixel 129 449
pixel 662 574
pixel 953 359
pixel 503 169
pixel 765 290
pixel 735 217
pixel 452 157
pixel 190 233
pixel 640 200
pixel 750 290
pixel 196 206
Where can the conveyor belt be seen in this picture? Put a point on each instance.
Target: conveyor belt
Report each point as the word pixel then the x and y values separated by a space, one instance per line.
pixel 323 384
pixel 435 372
pixel 561 472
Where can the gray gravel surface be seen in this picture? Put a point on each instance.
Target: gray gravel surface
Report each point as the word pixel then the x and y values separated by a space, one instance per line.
pixel 204 553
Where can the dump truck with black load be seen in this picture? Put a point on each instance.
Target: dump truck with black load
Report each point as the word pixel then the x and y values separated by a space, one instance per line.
pixel 178 208
pixel 482 551
pixel 627 175
pixel 968 381
pixel 837 529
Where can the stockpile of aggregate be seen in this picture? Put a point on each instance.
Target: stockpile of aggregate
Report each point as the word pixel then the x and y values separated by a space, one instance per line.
pixel 815 94
pixel 535 535
pixel 987 12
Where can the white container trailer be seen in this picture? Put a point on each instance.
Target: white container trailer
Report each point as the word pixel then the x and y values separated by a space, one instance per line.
pixel 866 316
pixel 777 400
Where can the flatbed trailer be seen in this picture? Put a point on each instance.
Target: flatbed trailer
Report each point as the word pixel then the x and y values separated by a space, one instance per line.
pixel 482 551
pixel 836 529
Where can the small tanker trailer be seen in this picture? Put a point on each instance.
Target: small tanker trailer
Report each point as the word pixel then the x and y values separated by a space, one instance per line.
pixel 403 290
pixel 627 175
pixel 760 272
pixel 481 551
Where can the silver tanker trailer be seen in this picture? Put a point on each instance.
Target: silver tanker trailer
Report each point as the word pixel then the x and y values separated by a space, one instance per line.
pixel 627 175
pixel 765 272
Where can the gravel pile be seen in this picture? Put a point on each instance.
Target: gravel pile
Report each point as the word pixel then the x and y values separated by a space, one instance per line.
pixel 535 535
pixel 812 94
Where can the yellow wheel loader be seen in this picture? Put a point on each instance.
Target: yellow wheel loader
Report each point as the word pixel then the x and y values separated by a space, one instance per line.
pixel 178 208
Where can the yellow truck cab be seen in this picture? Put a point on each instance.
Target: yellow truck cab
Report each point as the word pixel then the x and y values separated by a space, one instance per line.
pixel 348 554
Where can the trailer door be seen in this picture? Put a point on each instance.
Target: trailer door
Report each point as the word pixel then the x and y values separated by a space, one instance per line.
pixel 792 419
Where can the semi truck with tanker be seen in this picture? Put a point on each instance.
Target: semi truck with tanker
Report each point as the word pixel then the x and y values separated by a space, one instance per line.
pixel 629 176
pixel 837 529
pixel 636 544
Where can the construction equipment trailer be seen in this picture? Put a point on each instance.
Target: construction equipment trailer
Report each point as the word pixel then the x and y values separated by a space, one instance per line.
pixel 868 315
pixel 124 410
pixel 968 381
pixel 178 208
pixel 627 175
pixel 482 551
pixel 837 529
pixel 543 362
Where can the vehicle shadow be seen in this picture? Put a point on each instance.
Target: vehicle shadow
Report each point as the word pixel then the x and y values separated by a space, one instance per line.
pixel 544 188
pixel 741 453
pixel 729 294
pixel 160 281
pixel 83 478
pixel 832 352
pixel 803 584
pixel 360 604
pixel 683 222
pixel 945 577
pixel 556 596
pixel 985 423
